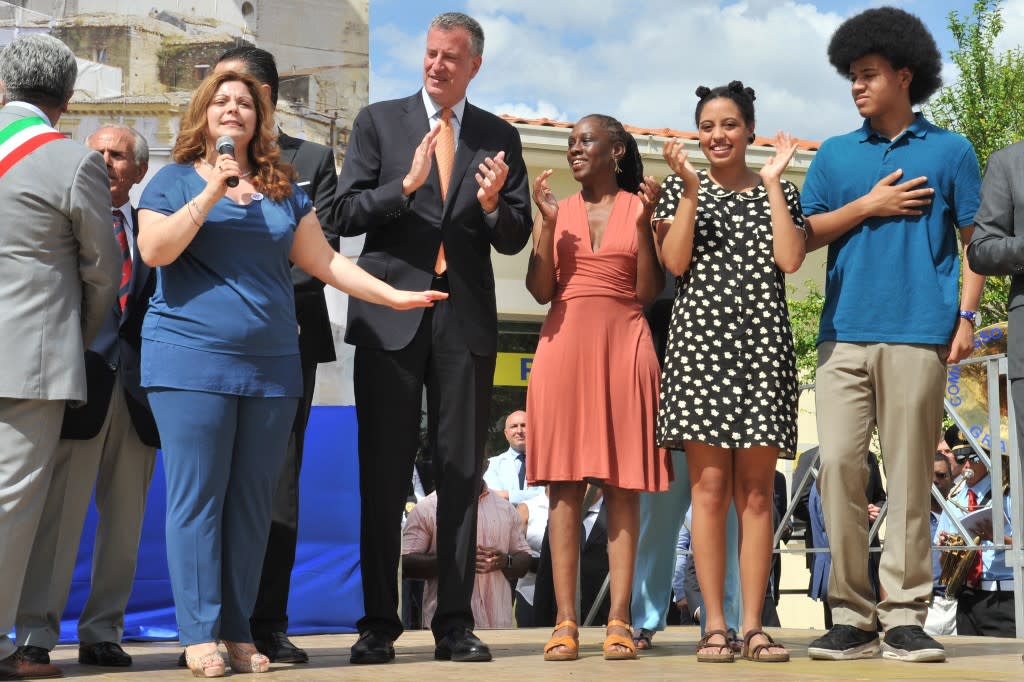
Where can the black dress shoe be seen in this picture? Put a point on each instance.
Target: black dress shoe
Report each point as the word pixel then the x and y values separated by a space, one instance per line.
pixel 34 654
pixel 461 646
pixel 107 654
pixel 372 648
pixel 17 667
pixel 279 649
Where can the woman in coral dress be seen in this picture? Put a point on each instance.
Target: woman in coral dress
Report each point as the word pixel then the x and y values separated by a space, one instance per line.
pixel 593 392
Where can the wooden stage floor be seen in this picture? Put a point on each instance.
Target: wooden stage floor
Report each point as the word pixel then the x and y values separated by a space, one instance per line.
pixel 517 657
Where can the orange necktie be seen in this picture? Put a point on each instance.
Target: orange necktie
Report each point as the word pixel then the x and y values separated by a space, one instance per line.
pixel 444 153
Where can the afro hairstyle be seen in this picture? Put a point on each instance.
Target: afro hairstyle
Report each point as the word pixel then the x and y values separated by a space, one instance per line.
pixel 898 36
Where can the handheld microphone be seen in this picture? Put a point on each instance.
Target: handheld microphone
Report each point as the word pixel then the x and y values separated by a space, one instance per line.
pixel 225 145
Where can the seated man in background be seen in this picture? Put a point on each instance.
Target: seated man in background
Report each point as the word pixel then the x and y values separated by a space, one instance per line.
pixel 501 555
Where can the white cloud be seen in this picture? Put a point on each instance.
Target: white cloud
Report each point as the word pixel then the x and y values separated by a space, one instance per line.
pixel 1013 25
pixel 535 109
pixel 648 63
pixel 641 62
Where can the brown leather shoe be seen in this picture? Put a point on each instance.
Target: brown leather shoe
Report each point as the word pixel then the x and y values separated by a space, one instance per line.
pixel 15 667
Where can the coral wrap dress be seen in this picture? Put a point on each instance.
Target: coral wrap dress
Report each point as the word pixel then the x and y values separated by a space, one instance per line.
pixel 593 391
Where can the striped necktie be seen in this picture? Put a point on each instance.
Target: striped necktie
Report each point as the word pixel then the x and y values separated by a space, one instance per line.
pixel 126 259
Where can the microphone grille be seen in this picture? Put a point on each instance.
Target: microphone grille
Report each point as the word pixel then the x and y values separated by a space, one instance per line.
pixel 225 145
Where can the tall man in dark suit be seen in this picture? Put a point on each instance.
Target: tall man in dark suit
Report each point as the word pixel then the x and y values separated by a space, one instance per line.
pixel 433 182
pixel 109 443
pixel 59 267
pixel 315 165
pixel 998 249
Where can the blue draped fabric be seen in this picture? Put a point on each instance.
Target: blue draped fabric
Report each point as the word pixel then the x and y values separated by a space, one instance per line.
pixel 326 594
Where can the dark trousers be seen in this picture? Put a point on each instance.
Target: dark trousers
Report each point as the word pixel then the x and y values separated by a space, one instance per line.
pixel 524 612
pixel 271 611
pixel 389 389
pixel 985 614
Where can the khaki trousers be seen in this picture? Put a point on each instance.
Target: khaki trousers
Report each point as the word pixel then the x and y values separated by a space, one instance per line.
pixel 899 387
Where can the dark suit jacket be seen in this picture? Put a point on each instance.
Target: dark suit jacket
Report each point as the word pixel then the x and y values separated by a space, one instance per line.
pixel 403 234
pixel 315 165
pixel 997 247
pixel 82 423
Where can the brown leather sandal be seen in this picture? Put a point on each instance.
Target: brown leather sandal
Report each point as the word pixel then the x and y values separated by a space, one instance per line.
pixel 628 651
pixel 724 653
pixel 759 652
pixel 570 642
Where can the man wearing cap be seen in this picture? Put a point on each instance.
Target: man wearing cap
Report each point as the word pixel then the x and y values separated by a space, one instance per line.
pixel 985 606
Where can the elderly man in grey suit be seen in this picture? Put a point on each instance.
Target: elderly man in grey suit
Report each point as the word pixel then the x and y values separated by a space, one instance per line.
pixel 109 443
pixel 998 249
pixel 59 264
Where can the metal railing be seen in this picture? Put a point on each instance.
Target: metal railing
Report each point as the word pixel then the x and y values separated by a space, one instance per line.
pixel 995 367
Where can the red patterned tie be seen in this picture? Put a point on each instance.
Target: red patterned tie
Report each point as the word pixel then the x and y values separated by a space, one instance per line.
pixel 974 577
pixel 444 153
pixel 126 258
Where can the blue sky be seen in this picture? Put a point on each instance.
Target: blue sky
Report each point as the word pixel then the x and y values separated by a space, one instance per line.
pixel 564 59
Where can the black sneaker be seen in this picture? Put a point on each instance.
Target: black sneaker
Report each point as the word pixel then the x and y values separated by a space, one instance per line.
pixel 34 654
pixel 911 643
pixel 844 643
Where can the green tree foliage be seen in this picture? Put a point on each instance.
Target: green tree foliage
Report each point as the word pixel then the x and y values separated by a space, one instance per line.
pixel 804 317
pixel 984 105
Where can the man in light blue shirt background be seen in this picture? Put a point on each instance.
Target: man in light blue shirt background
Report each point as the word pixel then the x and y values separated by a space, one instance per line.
pixel 985 605
pixel 506 473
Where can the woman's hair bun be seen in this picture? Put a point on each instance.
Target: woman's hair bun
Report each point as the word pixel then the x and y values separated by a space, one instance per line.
pixel 702 91
pixel 737 87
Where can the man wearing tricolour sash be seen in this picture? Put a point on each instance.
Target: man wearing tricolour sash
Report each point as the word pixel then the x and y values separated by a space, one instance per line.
pixel 58 268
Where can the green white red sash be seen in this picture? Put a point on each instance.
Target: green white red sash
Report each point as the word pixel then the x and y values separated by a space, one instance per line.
pixel 21 138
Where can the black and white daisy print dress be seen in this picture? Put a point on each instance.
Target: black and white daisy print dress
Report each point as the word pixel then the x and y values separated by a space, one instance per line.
pixel 729 377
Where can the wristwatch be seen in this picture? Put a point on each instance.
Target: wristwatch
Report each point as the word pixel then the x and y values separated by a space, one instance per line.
pixel 971 316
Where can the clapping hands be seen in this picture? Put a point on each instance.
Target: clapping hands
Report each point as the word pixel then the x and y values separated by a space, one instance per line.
pixel 677 159
pixel 545 199
pixel 649 193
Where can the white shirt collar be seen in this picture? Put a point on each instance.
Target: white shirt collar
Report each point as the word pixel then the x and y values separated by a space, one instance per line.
pixel 434 109
pixel 33 108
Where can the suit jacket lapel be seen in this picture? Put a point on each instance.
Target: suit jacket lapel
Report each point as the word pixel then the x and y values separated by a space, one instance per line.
pixel 416 124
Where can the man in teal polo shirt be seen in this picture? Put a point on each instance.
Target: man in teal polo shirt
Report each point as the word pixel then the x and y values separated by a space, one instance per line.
pixel 887 200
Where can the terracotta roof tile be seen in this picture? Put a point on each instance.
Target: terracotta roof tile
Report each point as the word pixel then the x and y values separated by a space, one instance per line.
pixel 807 145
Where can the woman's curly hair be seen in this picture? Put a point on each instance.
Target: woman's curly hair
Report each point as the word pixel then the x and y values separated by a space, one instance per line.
pixel 270 175
pixel 898 36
